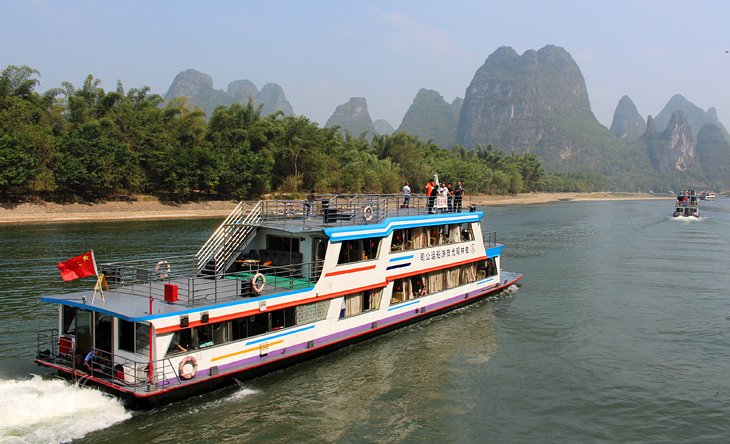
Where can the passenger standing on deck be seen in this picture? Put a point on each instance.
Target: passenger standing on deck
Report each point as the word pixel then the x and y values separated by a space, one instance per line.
pixel 309 204
pixel 91 361
pixel 430 196
pixel 443 193
pixel 450 190
pixel 458 194
pixel 406 195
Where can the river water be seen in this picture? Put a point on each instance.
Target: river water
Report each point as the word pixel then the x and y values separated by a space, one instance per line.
pixel 620 332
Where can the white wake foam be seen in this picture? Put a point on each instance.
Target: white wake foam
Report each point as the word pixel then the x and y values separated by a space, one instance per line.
pixel 44 411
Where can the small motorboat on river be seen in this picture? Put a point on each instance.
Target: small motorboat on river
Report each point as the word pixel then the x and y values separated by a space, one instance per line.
pixel 687 204
pixel 276 283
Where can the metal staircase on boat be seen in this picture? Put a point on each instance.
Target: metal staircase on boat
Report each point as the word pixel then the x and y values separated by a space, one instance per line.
pixel 231 237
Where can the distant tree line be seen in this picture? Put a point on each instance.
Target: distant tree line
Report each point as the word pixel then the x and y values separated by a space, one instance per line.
pixel 91 144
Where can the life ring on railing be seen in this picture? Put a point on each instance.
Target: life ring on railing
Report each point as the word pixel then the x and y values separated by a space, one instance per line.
pixel 367 213
pixel 188 368
pixel 163 269
pixel 258 283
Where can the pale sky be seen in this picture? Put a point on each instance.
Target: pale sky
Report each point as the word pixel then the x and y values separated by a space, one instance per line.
pixel 323 53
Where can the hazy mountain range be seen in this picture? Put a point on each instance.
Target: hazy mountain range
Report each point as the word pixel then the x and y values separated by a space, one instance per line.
pixel 536 102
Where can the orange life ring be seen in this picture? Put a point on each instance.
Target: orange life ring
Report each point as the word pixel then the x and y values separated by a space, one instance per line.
pixel 188 362
pixel 258 287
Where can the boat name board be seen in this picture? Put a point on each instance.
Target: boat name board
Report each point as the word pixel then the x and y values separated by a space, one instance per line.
pixel 446 252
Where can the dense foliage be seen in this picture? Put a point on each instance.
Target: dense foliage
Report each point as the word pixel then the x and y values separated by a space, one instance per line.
pixel 90 143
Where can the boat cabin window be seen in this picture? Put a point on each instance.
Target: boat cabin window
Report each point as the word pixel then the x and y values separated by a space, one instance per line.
pixel 203 336
pixel 282 243
pixel 466 232
pixel 487 268
pixel 361 302
pixel 134 337
pixel 258 324
pixel 359 250
pixel 103 332
pixel 176 345
pixel 401 240
pixel 67 321
pixel 282 318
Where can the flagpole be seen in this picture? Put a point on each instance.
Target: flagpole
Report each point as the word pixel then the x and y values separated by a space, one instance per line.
pixel 93 259
pixel 99 280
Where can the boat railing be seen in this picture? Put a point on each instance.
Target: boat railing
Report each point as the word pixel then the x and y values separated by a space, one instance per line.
pixel 179 275
pixel 118 371
pixel 490 239
pixel 332 210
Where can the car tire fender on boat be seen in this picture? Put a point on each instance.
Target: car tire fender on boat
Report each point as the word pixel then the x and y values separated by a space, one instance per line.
pixel 367 213
pixel 163 269
pixel 258 283
pixel 188 374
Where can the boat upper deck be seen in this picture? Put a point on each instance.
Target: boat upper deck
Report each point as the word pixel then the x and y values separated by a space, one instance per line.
pixel 335 210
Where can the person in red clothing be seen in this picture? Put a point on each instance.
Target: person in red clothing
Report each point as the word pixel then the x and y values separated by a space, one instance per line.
pixel 430 199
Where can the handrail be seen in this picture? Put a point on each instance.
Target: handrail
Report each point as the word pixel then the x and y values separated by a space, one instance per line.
pixel 227 238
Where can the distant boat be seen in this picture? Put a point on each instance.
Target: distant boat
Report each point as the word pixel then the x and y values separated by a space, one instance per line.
pixel 687 204
pixel 709 195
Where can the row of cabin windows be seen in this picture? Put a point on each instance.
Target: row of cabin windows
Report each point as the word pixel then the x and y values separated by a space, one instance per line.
pixel 424 284
pixel 220 333
pixel 406 239
pixel 422 237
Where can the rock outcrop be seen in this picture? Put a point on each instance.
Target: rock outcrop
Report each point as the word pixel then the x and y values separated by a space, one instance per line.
pixel 198 89
pixel 672 150
pixel 353 117
pixel 430 117
pixel 383 127
pixel 713 153
pixel 627 123
pixel 536 103
pixel 696 116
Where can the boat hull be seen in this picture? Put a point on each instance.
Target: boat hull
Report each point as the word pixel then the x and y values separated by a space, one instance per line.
pixel 201 384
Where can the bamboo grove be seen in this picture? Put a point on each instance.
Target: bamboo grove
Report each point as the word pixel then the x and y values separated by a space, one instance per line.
pixel 87 143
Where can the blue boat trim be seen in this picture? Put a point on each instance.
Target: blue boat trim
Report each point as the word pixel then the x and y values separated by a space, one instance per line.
pixel 484 281
pixel 401 258
pixel 403 305
pixel 383 229
pixel 268 338
pixel 166 315
pixel 495 251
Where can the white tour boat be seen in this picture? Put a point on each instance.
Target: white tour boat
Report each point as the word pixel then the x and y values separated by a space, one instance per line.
pixel 277 282
pixel 687 204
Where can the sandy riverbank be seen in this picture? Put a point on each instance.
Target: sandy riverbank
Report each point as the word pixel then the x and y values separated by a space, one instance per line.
pixel 152 209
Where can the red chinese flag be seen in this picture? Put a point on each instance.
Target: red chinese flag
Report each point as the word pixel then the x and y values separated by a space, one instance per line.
pixel 78 267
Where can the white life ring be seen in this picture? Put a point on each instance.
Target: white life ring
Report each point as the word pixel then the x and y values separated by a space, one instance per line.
pixel 188 368
pixel 163 269
pixel 258 283
pixel 367 213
